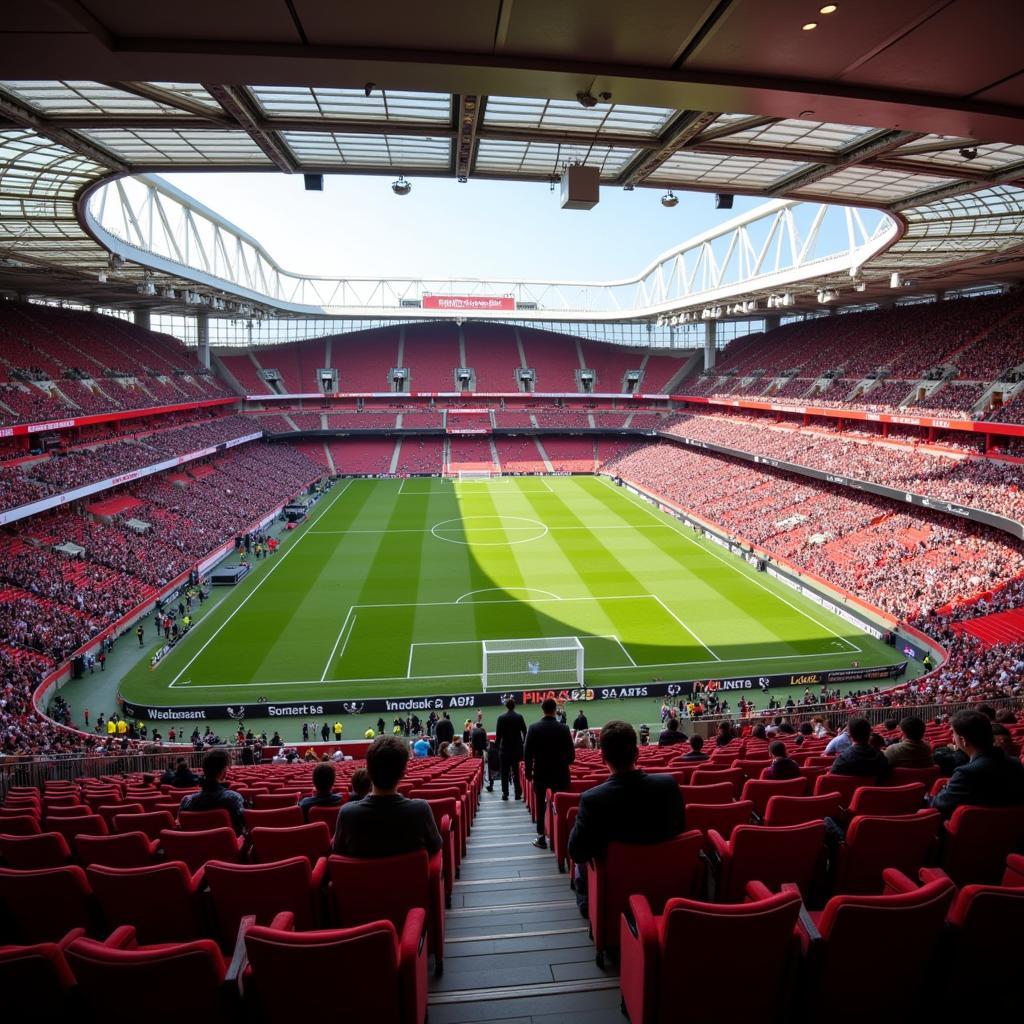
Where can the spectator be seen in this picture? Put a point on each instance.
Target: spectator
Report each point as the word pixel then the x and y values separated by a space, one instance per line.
pixel 631 807
pixel 672 734
pixel 324 777
pixel 696 752
pixel 861 758
pixel 421 748
pixel 911 751
pixel 385 823
pixel 213 794
pixel 547 754
pixel 782 766
pixel 990 778
pixel 359 784
pixel 181 778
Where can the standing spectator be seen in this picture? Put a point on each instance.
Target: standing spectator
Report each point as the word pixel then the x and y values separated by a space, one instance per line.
pixel 140 633
pixel 547 754
pixel 478 739
pixel 509 734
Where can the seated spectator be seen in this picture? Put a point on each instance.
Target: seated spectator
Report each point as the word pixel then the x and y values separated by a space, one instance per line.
pixel 990 778
pixel 583 740
pixel 359 784
pixel 458 748
pixel 324 776
pixel 695 752
pixel 1003 739
pixel 725 734
pixel 782 766
pixel 861 758
pixel 213 794
pixel 839 742
pixel 671 734
pixel 911 751
pixel 631 807
pixel 181 778
pixel 385 823
pixel 421 748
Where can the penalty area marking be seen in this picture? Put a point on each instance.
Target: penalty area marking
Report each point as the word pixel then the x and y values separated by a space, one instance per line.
pixel 507 590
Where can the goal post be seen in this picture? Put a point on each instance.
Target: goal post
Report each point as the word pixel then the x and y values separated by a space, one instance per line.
pixel 532 662
pixel 476 474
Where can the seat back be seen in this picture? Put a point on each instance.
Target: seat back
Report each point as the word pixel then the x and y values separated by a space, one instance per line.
pixel 879 800
pixel 273 801
pixel 988 923
pixel 773 856
pixel 1014 874
pixel 46 850
pixel 151 823
pixel 262 890
pixel 795 810
pixel 381 889
pixel 723 818
pixel 127 850
pixel 874 843
pixel 44 905
pixel 978 841
pixel 196 848
pixel 844 785
pixel 86 824
pixel 311 841
pixel 705 776
pixel 201 821
pixel 278 817
pixel 760 791
pixel 926 776
pixel 108 812
pixel 716 794
pixel 20 825
pixel 361 961
pixel 160 901
pixel 328 815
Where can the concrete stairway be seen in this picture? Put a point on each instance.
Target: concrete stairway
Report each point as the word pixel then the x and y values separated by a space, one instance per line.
pixel 517 950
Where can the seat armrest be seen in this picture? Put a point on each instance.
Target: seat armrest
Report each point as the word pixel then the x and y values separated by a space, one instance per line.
pixel 895 882
pixel 810 935
pixel 319 873
pixel 719 845
pixel 75 933
pixel 239 959
pixel 759 891
pixel 927 875
pixel 284 921
pixel 122 937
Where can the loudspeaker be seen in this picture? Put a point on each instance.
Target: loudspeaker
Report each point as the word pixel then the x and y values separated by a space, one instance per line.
pixel 313 182
pixel 723 201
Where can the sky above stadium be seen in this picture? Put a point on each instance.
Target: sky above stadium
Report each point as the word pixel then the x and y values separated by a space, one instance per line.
pixel 358 227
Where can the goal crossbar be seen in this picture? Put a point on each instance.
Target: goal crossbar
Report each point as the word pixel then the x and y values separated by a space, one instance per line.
pixel 476 474
pixel 528 661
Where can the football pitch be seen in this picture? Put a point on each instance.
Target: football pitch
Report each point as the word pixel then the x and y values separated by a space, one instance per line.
pixel 391 585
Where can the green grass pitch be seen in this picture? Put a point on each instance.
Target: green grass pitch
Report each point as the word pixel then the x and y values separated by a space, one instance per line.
pixel 391 585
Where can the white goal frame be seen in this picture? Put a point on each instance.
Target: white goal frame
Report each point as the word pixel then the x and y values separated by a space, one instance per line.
pixel 476 474
pixel 532 662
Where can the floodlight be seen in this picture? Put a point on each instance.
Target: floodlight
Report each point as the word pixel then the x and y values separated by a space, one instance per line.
pixel 669 199
pixel 401 187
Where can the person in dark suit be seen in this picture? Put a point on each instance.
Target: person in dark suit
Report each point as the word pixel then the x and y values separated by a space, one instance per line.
pixel 478 739
pixel 444 731
pixel 546 759
pixel 509 734
pixel 631 807
pixel 861 758
pixel 782 766
pixel 671 734
pixel 580 724
pixel 990 778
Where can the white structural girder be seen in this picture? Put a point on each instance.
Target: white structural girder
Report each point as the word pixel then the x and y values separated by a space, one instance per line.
pixel 777 245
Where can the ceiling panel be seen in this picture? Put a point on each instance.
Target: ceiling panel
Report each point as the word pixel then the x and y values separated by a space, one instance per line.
pixel 249 20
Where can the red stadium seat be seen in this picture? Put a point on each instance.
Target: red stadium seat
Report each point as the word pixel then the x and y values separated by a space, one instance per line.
pixel 272 801
pixel 873 844
pixel 760 791
pixel 36 982
pixel 85 825
pixel 1014 874
pixel 844 785
pixel 795 810
pixel 656 871
pixel 311 841
pixel 444 811
pixel 46 850
pixel 44 905
pixel 202 821
pixel 127 850
pixel 723 818
pixel 926 776
pixel 769 855
pixel 160 901
pixel 196 848
pixel 882 800
pixel 978 840
pixel 152 823
pixel 382 972
pixel 328 815
pixel 708 776
pixel 655 950
pixel 20 825
pixel 279 817
pixel 723 793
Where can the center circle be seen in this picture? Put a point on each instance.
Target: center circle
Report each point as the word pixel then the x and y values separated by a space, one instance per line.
pixel 477 530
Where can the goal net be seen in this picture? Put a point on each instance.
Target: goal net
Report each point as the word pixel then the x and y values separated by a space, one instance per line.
pixel 475 474
pixel 535 662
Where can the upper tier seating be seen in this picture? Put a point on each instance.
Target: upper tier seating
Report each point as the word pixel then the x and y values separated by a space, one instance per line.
pixel 431 355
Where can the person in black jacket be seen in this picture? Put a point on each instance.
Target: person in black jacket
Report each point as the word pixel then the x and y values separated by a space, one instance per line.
pixel 509 734
pixel 580 724
pixel 444 731
pixel 631 807
pixel 478 739
pixel 546 759
pixel 990 778
pixel 861 758
pixel 671 734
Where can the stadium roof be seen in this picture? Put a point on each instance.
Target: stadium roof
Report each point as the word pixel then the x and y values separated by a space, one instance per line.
pixel 916 108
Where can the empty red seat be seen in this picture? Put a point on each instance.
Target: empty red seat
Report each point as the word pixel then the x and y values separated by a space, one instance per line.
pixel 708 776
pixel 160 901
pixel 795 810
pixel 119 980
pixel 328 815
pixel 280 817
pixel 444 810
pixel 656 949
pixel 46 850
pixel 760 791
pixel 382 972
pixel 196 848
pixel 558 812
pixel 926 776
pixel 85 825
pixel 263 890
pixel 769 855
pixel 311 841
pixel 36 982
pixel 1014 874
pixel 877 800
pixel 978 840
pixel 127 850
pixel 270 801
pixel 44 905
pixel 108 811
pixel 873 844
pixel 724 793
pixel 152 823
pixel 20 825
pixel 844 785
pixel 202 821
pixel 723 818
pixel 384 888
pixel 885 942
pixel 657 871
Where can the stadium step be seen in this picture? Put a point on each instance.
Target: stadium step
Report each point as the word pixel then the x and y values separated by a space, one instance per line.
pixel 516 948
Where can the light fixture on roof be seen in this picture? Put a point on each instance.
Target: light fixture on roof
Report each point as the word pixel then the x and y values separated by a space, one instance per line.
pixel 968 152
pixel 401 187
pixel 586 99
pixel 628 187
pixel 826 295
pixel 810 26
pixel 829 9
pixel 146 288
pixel 670 199
pixel 102 277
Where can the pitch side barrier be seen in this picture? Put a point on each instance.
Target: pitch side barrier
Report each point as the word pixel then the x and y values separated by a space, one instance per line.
pixel 968 512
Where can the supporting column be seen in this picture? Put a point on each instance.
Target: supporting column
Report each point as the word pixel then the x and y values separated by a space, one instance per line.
pixel 772 320
pixel 710 330
pixel 141 318
pixel 203 338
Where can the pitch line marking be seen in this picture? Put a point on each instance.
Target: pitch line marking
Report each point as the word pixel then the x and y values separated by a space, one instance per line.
pixel 686 627
pixel 508 529
pixel 678 528
pixel 504 590
pixel 273 569
pixel 334 650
